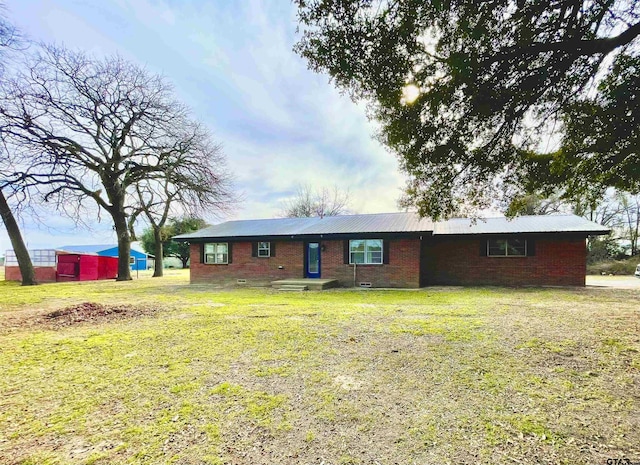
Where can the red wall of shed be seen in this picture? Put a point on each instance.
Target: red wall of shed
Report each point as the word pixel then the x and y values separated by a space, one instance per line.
pixel 107 267
pixel 88 267
pixel 77 267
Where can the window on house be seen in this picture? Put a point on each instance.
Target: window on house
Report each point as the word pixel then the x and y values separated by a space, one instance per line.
pixel 365 251
pixel 507 247
pixel 132 260
pixel 216 253
pixel 264 249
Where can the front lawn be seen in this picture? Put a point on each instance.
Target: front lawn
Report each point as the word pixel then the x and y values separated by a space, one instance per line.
pixel 156 371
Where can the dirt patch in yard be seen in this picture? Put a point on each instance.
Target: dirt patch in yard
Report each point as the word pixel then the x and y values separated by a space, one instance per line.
pixel 86 312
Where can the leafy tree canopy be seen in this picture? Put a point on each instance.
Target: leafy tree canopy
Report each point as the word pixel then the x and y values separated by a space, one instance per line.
pixel 468 93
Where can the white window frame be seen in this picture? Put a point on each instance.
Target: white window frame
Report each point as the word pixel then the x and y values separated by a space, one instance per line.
pixel 263 249
pixel 506 254
pixel 366 252
pixel 217 257
pixel 132 260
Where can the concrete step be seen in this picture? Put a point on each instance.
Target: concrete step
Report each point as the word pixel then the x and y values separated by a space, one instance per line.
pixel 312 284
pixel 292 287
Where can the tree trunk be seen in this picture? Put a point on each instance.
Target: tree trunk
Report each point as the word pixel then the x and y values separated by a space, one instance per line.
pixel 124 247
pixel 20 249
pixel 184 261
pixel 634 234
pixel 157 265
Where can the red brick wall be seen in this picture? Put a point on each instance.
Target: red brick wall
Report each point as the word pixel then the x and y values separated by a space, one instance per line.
pixel 403 269
pixel 44 274
pixel 454 261
pixel 256 271
pixel 557 261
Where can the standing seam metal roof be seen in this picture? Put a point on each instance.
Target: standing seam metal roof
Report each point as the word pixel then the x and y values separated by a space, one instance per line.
pixel 382 222
pixel 396 223
pixel 97 248
pixel 521 224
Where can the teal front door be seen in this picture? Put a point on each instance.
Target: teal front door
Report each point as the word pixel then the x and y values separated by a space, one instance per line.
pixel 313 260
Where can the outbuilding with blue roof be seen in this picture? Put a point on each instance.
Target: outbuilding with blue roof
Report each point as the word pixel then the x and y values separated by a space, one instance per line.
pixel 138 258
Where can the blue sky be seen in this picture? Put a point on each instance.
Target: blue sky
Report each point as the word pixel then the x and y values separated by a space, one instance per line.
pixel 232 63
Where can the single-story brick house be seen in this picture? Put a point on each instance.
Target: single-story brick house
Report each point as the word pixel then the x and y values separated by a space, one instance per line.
pixel 395 250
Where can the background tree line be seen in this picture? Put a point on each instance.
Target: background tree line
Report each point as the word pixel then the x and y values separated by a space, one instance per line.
pixel 180 250
pixel 618 210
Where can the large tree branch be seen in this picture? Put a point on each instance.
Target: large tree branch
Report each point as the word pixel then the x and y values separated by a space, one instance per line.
pixel 574 47
pixel 60 183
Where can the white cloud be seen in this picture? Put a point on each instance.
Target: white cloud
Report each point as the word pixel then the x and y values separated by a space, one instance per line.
pixel 280 124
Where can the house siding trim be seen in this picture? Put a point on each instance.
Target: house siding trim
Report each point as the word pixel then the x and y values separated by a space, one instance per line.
pixel 310 237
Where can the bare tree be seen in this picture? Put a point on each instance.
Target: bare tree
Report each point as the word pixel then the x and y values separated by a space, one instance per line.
pixel 10 41
pixel 605 210
pixel 92 130
pixel 618 210
pixel 536 204
pixel 195 179
pixel 310 202
pixel 10 38
pixel 629 205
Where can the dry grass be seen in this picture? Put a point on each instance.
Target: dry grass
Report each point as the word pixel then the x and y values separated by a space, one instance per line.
pixel 440 375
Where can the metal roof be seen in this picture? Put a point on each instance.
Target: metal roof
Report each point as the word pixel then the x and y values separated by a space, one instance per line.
pixel 87 248
pixel 346 224
pixel 97 248
pixel 520 224
pixel 394 223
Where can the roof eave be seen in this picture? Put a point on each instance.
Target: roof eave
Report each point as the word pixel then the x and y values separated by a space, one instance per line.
pixel 529 233
pixel 305 237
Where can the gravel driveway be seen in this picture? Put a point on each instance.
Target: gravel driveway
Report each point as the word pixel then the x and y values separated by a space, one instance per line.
pixel 619 282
